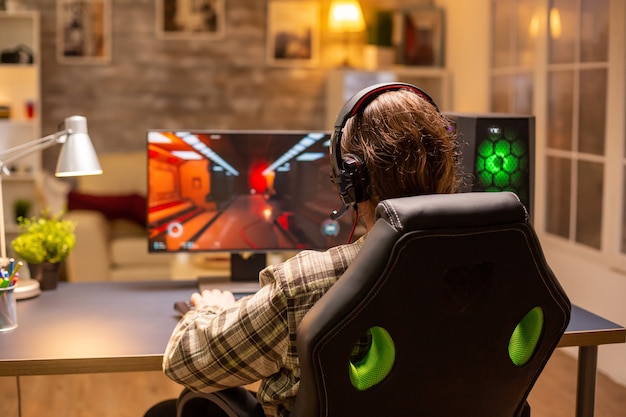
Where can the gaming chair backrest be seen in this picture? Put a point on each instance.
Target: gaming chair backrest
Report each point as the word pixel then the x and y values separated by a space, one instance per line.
pixel 461 290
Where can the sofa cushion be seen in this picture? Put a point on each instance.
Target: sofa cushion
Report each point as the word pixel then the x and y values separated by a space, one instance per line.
pixel 126 228
pixel 127 206
pixel 128 251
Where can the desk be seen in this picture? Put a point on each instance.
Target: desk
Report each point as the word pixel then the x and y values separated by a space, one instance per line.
pixel 92 327
pixel 124 327
pixel 587 330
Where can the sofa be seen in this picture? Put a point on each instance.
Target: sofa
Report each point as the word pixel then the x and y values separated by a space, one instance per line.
pixel 109 211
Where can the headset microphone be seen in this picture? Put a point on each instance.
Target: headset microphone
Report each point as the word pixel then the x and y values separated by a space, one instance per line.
pixel 337 214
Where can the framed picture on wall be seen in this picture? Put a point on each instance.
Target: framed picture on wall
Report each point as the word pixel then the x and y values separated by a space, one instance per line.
pixel 293 33
pixel 84 31
pixel 190 19
pixel 422 36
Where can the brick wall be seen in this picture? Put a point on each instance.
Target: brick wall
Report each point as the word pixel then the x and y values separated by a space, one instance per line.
pixel 156 83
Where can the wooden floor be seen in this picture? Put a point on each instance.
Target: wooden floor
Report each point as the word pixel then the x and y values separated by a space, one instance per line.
pixel 130 394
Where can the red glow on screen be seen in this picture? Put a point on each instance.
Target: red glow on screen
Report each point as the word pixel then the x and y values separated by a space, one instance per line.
pixel 256 179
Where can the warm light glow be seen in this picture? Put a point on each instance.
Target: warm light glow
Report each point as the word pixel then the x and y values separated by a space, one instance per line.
pixel 555 23
pixel 346 16
pixel 533 27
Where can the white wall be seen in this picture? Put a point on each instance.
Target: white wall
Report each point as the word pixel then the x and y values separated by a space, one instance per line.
pixel 467 53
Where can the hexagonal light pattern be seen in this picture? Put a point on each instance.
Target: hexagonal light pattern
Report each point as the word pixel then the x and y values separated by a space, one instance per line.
pixel 502 162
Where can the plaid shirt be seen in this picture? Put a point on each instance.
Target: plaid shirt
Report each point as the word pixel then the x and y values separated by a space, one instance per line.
pixel 256 338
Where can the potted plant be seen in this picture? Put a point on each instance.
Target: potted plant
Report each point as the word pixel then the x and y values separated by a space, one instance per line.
pixel 44 242
pixel 380 51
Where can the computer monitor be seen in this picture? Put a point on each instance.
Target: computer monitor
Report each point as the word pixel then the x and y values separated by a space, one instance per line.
pixel 247 193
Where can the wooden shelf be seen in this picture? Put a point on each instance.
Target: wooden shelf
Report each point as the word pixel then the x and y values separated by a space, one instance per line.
pixel 20 84
pixel 13 122
pixel 19 177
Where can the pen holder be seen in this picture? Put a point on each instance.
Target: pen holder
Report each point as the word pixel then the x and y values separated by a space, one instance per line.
pixel 8 315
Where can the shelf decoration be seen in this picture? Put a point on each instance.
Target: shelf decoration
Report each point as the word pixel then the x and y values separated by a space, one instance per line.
pixel 379 51
pixel 422 36
pixel 293 36
pixel 84 31
pixel 190 19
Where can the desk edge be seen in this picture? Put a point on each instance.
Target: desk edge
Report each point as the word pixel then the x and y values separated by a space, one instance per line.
pixel 81 365
pixel 593 337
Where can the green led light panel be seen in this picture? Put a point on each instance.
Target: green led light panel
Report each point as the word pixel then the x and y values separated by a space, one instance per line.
pixel 502 161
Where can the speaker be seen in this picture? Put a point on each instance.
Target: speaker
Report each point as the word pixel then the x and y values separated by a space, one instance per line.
pixel 497 152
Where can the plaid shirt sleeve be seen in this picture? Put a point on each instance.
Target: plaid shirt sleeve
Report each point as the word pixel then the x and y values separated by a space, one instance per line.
pixel 211 349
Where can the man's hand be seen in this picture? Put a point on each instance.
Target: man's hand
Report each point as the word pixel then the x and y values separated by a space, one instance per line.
pixel 214 298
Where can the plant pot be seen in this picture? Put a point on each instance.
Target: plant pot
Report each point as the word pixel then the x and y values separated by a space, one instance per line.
pixel 46 273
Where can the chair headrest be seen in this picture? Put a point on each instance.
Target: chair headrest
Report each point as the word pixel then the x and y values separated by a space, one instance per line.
pixel 434 211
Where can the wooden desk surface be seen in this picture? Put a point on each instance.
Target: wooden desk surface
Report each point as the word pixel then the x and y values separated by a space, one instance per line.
pixel 95 327
pixel 92 327
pixel 124 327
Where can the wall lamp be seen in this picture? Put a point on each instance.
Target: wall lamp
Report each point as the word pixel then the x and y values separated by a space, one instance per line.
pixel 346 17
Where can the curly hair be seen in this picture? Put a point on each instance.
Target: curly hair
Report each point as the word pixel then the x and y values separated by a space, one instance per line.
pixel 406 145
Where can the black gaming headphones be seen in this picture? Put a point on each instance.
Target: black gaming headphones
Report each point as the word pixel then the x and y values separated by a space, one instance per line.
pixel 348 172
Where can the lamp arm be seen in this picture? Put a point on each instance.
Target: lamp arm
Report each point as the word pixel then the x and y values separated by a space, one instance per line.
pixel 27 148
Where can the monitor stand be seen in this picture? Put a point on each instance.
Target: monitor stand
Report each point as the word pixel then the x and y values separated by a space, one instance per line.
pixel 244 270
pixel 246 267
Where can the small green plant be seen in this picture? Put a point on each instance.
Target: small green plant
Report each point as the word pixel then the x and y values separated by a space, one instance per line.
pixel 47 238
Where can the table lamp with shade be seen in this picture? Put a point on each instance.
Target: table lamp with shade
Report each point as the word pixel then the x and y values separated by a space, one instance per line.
pixel 346 17
pixel 77 158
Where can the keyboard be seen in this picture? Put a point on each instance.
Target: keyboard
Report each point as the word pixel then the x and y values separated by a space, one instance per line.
pixel 238 288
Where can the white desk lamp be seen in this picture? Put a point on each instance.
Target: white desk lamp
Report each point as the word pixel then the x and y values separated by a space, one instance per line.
pixel 77 158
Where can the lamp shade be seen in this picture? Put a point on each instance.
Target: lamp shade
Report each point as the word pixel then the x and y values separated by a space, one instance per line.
pixel 77 157
pixel 346 16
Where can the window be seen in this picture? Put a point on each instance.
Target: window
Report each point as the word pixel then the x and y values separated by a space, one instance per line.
pixel 577 76
pixel 574 145
pixel 513 58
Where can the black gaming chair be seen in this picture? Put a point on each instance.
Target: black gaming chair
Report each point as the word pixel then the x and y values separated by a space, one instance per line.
pixel 462 309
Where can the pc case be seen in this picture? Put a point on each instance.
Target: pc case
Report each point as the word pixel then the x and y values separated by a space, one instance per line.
pixel 497 152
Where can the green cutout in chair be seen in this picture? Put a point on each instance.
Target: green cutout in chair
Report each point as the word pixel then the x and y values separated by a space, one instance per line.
pixel 524 339
pixel 376 364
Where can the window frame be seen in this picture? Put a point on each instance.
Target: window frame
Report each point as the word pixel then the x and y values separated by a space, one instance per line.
pixel 612 251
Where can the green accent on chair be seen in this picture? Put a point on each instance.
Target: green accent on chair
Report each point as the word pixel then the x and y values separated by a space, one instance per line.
pixel 525 337
pixel 376 364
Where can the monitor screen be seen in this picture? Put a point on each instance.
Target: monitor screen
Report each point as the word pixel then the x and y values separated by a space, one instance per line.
pixel 241 191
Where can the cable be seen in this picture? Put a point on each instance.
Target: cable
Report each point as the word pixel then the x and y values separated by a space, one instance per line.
pixel 356 220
